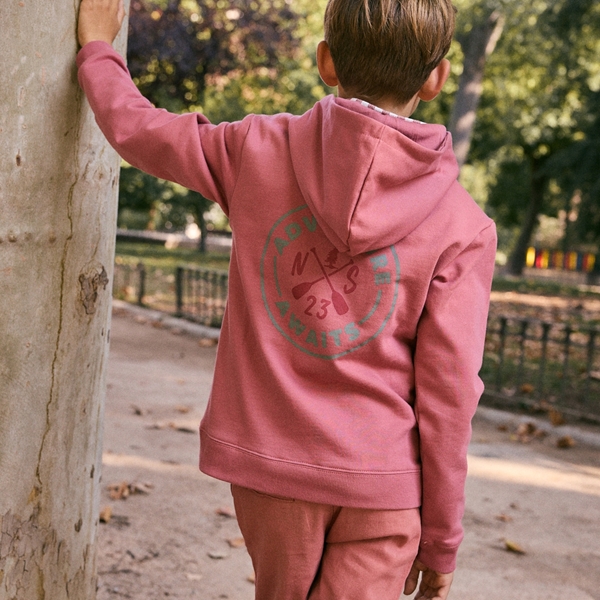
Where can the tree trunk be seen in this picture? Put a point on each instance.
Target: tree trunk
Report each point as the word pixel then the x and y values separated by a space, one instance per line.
pixel 479 44
pixel 516 261
pixel 58 188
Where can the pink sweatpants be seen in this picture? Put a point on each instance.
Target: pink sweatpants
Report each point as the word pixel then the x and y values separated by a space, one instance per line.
pixel 306 551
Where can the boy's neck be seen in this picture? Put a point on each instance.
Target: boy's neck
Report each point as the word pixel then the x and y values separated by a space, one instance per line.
pixel 388 105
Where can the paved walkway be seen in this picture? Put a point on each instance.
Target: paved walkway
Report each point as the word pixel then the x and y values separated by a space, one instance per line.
pixel 533 510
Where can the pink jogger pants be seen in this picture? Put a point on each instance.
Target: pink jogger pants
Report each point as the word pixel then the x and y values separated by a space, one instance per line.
pixel 306 551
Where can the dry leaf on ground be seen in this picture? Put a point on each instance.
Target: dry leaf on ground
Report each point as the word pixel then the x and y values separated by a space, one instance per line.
pixel 106 514
pixel 556 417
pixel 121 491
pixel 513 547
pixel 566 441
pixel 504 518
pixel 226 511
pixel 236 542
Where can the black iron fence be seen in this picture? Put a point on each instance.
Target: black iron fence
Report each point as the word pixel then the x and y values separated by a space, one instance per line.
pixel 527 362
pixel 201 295
pixel 546 365
pixel 194 293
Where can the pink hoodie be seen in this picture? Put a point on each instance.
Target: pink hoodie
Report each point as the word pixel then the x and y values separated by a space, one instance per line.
pixel 347 369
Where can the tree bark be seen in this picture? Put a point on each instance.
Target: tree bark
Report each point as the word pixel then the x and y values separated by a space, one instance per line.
pixel 58 203
pixel 479 44
pixel 516 261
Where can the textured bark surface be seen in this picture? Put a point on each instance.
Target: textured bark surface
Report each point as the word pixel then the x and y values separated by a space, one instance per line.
pixel 58 187
pixel 477 46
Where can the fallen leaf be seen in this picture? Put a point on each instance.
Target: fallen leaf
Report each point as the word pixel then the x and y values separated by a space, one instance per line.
pixel 502 427
pixel 556 417
pixel 527 388
pixel 504 518
pixel 226 511
pixel 122 491
pixel 140 488
pixel 566 441
pixel 138 411
pixel 106 514
pixel 251 578
pixel 118 491
pixel 513 547
pixel 217 554
pixel 236 542
pixel 207 342
pixel 182 409
pixel 526 429
pixel 185 429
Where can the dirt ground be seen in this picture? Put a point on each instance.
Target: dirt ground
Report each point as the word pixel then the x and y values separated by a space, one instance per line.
pixel 532 519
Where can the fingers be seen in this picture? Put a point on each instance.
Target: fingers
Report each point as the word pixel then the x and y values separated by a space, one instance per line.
pixel 100 20
pixel 413 579
pixel 434 585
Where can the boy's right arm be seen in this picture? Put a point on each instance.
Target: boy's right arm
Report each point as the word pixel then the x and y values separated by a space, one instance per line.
pixel 185 148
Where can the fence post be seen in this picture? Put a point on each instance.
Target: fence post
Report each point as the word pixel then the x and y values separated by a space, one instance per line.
pixel 179 291
pixel 142 283
pixel 501 347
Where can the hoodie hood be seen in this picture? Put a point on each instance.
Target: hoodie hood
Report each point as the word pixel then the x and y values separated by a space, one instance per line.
pixel 370 178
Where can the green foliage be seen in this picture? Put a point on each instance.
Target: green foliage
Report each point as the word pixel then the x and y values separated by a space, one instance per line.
pixel 537 123
pixel 226 59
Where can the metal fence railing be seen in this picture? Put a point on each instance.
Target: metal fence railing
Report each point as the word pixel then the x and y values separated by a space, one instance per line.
pixel 194 293
pixel 538 363
pixel 527 362
pixel 201 295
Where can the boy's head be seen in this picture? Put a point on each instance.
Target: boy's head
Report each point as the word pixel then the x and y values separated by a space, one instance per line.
pixel 386 49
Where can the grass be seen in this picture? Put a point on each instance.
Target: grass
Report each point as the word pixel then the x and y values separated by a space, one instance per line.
pixel 543 287
pixel 157 256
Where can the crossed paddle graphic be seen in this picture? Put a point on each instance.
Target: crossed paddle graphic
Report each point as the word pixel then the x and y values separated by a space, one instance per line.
pixel 337 299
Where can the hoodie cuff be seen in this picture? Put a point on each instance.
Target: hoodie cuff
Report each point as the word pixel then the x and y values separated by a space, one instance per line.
pixel 439 558
pixel 90 49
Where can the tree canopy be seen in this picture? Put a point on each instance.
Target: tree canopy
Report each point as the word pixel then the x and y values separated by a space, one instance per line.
pixel 533 123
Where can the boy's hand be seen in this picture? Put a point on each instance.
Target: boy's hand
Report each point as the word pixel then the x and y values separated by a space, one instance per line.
pixel 100 20
pixel 434 585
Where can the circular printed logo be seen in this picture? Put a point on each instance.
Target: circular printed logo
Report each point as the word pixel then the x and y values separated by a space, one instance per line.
pixel 326 303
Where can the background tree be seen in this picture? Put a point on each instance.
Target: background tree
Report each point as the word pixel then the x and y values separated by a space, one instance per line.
pixel 478 35
pixel 225 60
pixel 536 103
pixel 244 54
pixel 58 180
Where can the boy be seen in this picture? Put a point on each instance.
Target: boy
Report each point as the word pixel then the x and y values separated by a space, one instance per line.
pixel 347 369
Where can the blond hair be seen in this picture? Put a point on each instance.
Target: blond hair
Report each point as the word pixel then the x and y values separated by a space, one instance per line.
pixel 387 48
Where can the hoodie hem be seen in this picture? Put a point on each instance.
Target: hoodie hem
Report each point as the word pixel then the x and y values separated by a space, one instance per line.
pixel 389 490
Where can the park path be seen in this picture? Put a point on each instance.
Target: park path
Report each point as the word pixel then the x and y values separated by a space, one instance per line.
pixel 533 510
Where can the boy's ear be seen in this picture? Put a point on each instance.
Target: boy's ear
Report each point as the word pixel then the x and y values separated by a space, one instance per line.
pixel 435 82
pixel 325 65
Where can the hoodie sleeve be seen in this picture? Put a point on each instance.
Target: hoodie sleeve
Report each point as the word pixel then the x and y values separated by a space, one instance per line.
pixel 186 148
pixel 448 357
